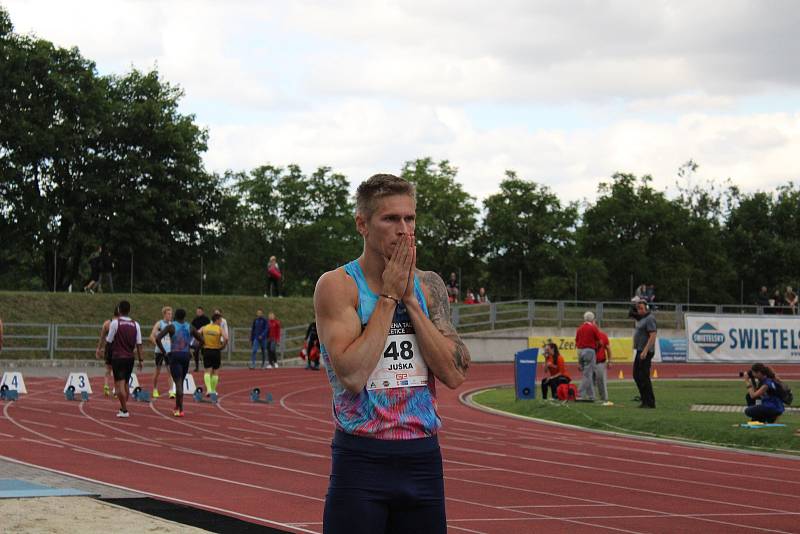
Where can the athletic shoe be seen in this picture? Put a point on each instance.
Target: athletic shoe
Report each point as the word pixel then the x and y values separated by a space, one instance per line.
pixel 106 391
pixel 178 413
pixel 156 394
pixel 123 414
pixel 608 403
pixel 171 395
pixel 275 365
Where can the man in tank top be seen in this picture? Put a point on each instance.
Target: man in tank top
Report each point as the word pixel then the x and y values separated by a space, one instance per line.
pixel 386 337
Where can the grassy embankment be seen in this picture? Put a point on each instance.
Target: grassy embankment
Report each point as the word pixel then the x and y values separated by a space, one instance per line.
pixel 83 309
pixel 672 418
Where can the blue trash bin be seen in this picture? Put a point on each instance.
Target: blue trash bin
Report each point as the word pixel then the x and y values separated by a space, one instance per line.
pixel 525 373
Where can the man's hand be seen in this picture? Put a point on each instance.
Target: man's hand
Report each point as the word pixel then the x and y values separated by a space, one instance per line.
pixel 396 273
pixel 410 296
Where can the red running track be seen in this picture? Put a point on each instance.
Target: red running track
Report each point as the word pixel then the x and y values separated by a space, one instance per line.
pixel 269 464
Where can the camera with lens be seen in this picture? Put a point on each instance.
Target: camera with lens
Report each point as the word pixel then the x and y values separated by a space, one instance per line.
pixel 749 374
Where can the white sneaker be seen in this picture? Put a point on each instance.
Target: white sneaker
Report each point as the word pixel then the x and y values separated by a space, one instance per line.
pixel 275 365
pixel 123 414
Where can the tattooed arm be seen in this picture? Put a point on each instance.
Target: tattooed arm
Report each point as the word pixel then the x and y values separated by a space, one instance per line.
pixel 441 347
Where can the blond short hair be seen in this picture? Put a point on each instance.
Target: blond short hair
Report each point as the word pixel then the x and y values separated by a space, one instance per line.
pixel 379 186
pixel 165 309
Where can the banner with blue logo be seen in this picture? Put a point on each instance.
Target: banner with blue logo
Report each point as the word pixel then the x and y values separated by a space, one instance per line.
pixel 672 349
pixel 735 338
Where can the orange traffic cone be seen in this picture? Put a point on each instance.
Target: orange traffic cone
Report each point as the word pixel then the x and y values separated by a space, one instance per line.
pixel 621 375
pixel 655 373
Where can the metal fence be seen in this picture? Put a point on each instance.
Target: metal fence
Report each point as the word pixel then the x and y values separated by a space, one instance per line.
pixel 60 341
pixel 567 313
pixel 79 341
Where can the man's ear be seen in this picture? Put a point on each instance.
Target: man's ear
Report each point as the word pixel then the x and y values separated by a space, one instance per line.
pixel 361 224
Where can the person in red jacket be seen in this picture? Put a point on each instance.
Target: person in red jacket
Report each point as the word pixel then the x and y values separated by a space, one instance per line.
pixel 587 340
pixel 273 338
pixel 602 365
pixel 555 371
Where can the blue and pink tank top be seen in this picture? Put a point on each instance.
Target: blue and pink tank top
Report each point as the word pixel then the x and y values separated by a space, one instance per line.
pixel 181 339
pixel 384 410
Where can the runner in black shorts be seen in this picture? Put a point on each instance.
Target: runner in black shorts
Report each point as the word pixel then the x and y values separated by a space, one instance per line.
pixel 124 339
pixel 214 340
pixel 103 350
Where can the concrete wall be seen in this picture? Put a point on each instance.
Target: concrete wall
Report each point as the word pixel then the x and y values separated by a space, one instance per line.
pixel 501 345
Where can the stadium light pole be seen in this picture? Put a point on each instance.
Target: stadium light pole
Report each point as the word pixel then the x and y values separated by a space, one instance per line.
pixel 201 275
pixel 131 271
pixel 55 268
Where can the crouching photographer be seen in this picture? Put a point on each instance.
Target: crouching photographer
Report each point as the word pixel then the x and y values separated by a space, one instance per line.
pixel 762 384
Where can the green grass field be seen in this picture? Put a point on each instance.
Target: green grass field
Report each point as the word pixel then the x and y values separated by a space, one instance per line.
pixel 672 418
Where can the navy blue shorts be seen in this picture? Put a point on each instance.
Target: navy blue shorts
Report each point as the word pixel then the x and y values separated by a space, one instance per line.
pixel 385 486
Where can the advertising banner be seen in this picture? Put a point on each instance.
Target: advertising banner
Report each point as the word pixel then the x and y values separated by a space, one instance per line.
pixel 621 347
pixel 743 338
pixel 672 349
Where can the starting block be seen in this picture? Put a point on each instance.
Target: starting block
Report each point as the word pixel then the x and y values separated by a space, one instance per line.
pixel 69 394
pixel 8 394
pixel 141 395
pixel 256 394
pixel 198 396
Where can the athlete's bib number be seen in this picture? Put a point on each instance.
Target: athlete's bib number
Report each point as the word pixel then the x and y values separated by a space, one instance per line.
pixel 400 365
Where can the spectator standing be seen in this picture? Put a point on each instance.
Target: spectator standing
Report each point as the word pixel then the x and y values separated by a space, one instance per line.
pixel 602 365
pixel 778 303
pixel 555 371
pixel 469 298
pixel 273 339
pixel 258 338
pixel 274 277
pixel 790 297
pixel 587 339
pixel 650 293
pixel 199 321
pixel 94 267
pixel 452 288
pixel 644 341
pixel 482 297
pixel 106 267
pixel 762 300
pixel 311 348
pixel 641 292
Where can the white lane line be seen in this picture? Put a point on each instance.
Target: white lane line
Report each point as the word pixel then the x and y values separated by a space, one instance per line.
pixel 95 434
pixel 29 422
pixel 38 442
pixel 138 442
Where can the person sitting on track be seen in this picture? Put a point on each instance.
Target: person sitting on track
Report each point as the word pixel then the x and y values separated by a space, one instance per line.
pixel 180 333
pixel 161 357
pixel 763 384
pixel 213 342
pixel 103 350
pixel 555 372
pixel 124 337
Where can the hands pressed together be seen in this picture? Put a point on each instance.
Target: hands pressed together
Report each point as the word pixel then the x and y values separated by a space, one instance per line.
pixel 398 275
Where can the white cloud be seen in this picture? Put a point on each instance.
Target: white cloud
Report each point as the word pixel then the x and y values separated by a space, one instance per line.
pixel 363 86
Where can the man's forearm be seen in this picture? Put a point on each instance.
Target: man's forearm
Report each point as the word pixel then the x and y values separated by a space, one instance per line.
pixel 354 365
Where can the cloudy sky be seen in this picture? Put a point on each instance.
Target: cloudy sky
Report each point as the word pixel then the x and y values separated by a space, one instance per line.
pixel 563 92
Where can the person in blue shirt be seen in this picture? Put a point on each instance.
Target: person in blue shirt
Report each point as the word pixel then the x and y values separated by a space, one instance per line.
pixel 763 384
pixel 258 338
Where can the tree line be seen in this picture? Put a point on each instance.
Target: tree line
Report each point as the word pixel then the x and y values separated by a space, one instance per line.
pixel 87 159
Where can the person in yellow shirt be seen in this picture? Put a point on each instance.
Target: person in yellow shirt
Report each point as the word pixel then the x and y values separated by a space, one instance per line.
pixel 214 340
